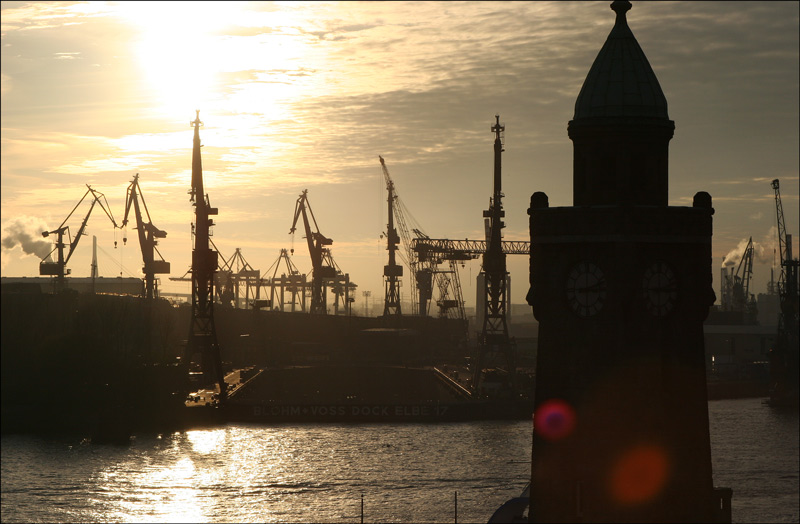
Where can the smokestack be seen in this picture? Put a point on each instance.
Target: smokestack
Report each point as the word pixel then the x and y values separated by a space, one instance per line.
pixel 94 258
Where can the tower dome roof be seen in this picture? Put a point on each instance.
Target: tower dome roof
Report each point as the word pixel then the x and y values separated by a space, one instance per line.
pixel 621 82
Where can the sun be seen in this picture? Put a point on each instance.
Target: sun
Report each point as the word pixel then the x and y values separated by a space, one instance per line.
pixel 178 48
pixel 225 55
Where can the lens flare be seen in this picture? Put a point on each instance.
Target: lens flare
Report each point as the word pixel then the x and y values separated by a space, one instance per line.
pixel 554 420
pixel 639 475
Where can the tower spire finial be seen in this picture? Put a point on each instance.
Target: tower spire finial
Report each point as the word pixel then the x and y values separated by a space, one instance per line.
pixel 620 7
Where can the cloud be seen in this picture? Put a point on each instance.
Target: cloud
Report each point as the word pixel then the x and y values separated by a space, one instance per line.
pixel 47 15
pixel 306 95
pixel 67 56
pixel 5 84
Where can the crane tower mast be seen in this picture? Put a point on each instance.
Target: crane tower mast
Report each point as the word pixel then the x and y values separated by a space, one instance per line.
pixel 393 238
pixel 202 330
pixel 392 271
pixel 493 339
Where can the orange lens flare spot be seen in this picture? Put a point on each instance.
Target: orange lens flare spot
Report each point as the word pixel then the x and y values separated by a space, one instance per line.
pixel 554 419
pixel 639 475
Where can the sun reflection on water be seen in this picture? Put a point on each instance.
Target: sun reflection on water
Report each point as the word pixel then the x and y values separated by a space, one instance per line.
pixel 206 440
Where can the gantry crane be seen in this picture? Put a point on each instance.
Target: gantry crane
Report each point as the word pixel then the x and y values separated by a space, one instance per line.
pixel 229 277
pixel 341 287
pixel 292 281
pixel 202 329
pixel 148 233
pixel 235 272
pixel 429 263
pixel 429 248
pixel 316 242
pixel 434 251
pixel 58 268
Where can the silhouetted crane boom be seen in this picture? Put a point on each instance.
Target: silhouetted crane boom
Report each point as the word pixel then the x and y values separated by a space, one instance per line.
pixel 396 214
pixel 784 387
pixel 58 268
pixel 784 240
pixel 316 241
pixel 148 233
pixel 445 248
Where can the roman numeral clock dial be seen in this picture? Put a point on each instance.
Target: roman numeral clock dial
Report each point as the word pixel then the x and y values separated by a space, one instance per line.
pixel 586 289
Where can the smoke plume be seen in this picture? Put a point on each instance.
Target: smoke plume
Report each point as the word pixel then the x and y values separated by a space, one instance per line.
pixel 26 232
pixel 762 251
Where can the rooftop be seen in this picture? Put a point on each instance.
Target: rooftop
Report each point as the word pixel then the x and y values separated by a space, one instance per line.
pixel 621 81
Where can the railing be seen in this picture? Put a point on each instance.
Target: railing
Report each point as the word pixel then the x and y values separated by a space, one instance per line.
pixel 457 388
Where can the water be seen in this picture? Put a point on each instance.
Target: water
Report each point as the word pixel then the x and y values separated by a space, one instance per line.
pixel 754 450
pixel 318 473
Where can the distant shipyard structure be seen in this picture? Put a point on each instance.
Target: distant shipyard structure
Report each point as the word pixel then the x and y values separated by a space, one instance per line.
pixel 113 285
pixel 621 284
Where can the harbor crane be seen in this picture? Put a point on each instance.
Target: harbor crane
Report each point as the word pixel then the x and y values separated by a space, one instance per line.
pixel 340 284
pixel 784 355
pixel 437 250
pixel 202 329
pixel 423 272
pixel 316 242
pixel 291 280
pixel 148 235
pixel 392 271
pixel 736 285
pixel 58 268
pixel 228 279
pixel 448 307
pixel 235 273
pixel 788 277
pixel 428 248
pixel 493 339
pixel 494 342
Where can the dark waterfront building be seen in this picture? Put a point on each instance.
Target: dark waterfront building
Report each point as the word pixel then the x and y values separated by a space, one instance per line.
pixel 620 284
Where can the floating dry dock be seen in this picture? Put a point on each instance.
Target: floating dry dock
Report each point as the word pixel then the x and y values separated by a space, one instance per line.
pixel 355 393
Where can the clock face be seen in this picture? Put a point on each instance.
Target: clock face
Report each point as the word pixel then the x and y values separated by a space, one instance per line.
pixel 586 289
pixel 660 288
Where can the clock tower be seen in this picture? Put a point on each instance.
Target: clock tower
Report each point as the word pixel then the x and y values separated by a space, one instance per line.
pixel 620 284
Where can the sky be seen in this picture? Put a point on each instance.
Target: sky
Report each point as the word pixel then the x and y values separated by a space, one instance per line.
pixel 304 96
